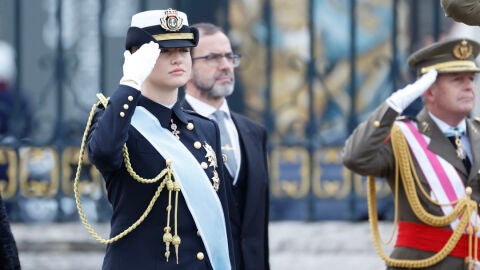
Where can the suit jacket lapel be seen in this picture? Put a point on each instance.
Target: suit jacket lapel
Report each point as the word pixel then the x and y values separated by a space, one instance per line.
pixel 252 191
pixel 439 144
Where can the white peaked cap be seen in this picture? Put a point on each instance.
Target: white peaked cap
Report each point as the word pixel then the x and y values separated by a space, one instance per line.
pixel 152 17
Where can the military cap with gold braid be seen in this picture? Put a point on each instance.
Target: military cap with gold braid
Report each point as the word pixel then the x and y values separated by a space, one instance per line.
pixel 169 28
pixel 455 55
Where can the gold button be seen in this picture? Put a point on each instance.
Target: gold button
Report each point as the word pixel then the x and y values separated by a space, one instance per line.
pixel 198 233
pixel 122 114
pixel 190 126
pixel 200 256
pixel 197 145
pixel 130 98
pixel 125 106
pixel 224 157
pixel 204 165
pixel 376 124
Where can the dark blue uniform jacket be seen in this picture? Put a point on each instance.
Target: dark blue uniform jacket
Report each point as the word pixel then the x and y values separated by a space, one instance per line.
pixel 144 248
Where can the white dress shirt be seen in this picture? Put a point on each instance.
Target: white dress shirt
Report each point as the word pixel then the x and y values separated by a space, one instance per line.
pixel 444 127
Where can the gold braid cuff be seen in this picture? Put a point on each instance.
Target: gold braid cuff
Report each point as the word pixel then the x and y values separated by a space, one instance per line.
pixel 464 208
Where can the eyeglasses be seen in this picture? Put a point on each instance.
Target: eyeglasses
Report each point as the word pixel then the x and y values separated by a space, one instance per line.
pixel 216 58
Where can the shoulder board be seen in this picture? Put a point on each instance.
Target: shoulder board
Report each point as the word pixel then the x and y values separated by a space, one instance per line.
pixel 405 117
pixel 103 99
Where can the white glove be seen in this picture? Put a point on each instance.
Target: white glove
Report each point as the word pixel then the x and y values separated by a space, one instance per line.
pixel 139 65
pixel 400 100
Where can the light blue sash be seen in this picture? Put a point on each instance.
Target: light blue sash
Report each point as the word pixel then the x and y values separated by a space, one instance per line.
pixel 201 199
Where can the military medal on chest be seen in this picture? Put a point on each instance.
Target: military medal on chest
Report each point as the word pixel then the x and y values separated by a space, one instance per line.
pixel 174 128
pixel 212 159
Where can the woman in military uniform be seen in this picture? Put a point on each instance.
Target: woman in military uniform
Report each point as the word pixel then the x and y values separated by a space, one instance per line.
pixel 161 164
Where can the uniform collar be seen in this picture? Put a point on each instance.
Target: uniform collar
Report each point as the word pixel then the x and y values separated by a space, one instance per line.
pixel 162 113
pixel 444 127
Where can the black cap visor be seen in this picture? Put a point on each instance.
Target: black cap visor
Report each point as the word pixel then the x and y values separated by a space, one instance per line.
pixel 136 37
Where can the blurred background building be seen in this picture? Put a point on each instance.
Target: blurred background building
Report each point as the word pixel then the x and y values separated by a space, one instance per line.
pixel 311 71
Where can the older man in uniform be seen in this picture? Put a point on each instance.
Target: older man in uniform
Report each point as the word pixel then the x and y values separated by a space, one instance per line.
pixel 431 162
pixel 160 163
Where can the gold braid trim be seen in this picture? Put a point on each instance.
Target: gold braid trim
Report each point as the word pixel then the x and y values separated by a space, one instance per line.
pixel 463 209
pixel 168 180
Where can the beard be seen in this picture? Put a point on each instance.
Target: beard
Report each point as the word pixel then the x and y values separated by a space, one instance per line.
pixel 210 89
pixel 221 90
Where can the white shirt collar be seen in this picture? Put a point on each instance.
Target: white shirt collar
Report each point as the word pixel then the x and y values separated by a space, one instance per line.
pixel 444 127
pixel 205 109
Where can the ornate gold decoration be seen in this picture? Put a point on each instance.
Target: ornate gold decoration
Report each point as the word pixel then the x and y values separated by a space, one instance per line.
pixel 324 187
pixel 457 65
pixel 39 171
pixel 425 127
pixel 8 159
pixel 175 130
pixel 89 184
pixel 463 209
pixel 171 21
pixel 171 36
pixel 212 159
pixel 168 180
pixel 286 187
pixel 463 50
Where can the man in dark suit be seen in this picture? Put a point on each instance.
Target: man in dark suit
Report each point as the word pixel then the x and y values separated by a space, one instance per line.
pixel 243 144
pixel 161 164
pixel 431 161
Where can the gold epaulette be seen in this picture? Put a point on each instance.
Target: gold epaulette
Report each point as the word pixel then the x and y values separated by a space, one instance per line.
pixel 103 99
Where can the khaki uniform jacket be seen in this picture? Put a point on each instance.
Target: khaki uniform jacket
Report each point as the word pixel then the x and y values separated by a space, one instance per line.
pixel 464 11
pixel 368 151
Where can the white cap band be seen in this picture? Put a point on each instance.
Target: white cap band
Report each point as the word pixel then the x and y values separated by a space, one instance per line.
pixel 152 17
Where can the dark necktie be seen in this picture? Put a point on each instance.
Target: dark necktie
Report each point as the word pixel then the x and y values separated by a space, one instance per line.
pixel 454 137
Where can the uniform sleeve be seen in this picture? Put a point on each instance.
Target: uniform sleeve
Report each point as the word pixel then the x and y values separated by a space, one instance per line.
pixel 466 11
pixel 368 150
pixel 109 130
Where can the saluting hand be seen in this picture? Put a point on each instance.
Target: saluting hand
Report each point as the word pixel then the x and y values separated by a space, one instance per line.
pixel 139 65
pixel 400 100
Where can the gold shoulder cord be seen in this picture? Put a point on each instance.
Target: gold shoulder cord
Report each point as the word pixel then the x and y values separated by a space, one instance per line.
pixel 464 208
pixel 168 181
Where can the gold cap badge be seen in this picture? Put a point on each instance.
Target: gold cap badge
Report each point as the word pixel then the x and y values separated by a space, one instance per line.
pixel 463 50
pixel 171 21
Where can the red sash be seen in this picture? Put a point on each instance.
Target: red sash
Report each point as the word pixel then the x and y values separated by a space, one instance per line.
pixel 427 238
